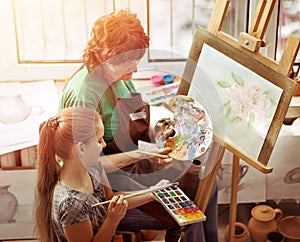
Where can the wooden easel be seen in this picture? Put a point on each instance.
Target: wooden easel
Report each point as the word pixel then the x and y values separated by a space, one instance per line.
pixel 249 42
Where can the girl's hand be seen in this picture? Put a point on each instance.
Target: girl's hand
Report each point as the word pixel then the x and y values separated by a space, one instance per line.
pixel 117 209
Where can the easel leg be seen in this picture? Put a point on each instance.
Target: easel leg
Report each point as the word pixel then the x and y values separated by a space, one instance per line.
pixel 233 201
pixel 211 171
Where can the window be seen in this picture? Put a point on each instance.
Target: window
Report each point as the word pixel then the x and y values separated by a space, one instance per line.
pixel 177 20
pixel 289 23
pixel 46 38
pixel 59 29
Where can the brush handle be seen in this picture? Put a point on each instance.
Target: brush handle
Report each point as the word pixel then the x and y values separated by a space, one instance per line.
pixel 152 189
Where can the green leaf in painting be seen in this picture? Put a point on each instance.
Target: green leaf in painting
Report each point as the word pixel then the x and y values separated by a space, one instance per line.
pixel 228 112
pixel 227 104
pixel 238 79
pixel 224 84
pixel 251 119
pixel 236 119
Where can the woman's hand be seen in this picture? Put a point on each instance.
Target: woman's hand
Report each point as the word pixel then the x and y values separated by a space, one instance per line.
pixel 164 151
pixel 151 150
pixel 117 209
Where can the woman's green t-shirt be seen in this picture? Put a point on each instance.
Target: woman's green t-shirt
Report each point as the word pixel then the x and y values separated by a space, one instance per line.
pixel 88 90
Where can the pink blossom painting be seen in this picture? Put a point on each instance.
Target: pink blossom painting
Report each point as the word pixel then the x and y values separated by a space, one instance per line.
pixel 242 103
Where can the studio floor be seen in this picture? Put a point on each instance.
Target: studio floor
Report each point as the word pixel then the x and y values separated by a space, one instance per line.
pixel 289 207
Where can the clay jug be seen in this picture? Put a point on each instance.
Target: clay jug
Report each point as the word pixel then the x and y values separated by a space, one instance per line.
pixel 8 205
pixel 240 232
pixel 263 221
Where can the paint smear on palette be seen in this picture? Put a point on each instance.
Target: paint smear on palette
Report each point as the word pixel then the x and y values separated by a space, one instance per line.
pixel 179 206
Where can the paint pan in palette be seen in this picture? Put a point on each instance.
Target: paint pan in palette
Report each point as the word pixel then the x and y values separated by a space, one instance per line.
pixel 180 207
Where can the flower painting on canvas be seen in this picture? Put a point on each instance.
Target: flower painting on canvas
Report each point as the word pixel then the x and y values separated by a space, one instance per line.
pixel 247 101
pixel 242 102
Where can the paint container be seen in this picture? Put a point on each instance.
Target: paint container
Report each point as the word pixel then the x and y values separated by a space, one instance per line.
pixel 168 79
pixel 177 79
pixel 156 80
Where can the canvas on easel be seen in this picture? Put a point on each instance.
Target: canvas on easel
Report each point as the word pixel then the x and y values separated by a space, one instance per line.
pixel 246 99
pixel 249 99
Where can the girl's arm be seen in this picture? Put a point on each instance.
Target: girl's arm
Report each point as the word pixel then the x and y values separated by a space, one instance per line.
pixel 83 232
pixel 133 202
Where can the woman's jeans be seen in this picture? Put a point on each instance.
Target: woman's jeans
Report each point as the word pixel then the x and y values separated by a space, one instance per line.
pixel 136 219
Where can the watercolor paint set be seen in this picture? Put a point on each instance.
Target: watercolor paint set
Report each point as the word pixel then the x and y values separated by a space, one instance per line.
pixel 174 200
pixel 180 207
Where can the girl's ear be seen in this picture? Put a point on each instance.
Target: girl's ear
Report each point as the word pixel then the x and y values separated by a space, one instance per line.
pixel 80 148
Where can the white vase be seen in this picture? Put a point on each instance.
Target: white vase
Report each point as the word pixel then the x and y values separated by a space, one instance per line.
pixel 8 205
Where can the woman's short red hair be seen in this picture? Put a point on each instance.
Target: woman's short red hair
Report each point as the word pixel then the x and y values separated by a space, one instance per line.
pixel 116 34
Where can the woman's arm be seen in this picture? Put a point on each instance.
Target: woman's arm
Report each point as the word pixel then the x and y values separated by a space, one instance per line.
pixel 118 161
pixel 115 162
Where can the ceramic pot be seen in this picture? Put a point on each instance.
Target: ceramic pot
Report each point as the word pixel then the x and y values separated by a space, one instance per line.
pixel 263 221
pixel 289 226
pixel 240 233
pixel 8 205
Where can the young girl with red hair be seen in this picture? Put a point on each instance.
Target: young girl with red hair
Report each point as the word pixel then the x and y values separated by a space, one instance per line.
pixel 70 180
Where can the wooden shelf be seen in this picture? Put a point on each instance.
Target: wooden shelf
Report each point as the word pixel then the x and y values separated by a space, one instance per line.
pixel 22 159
